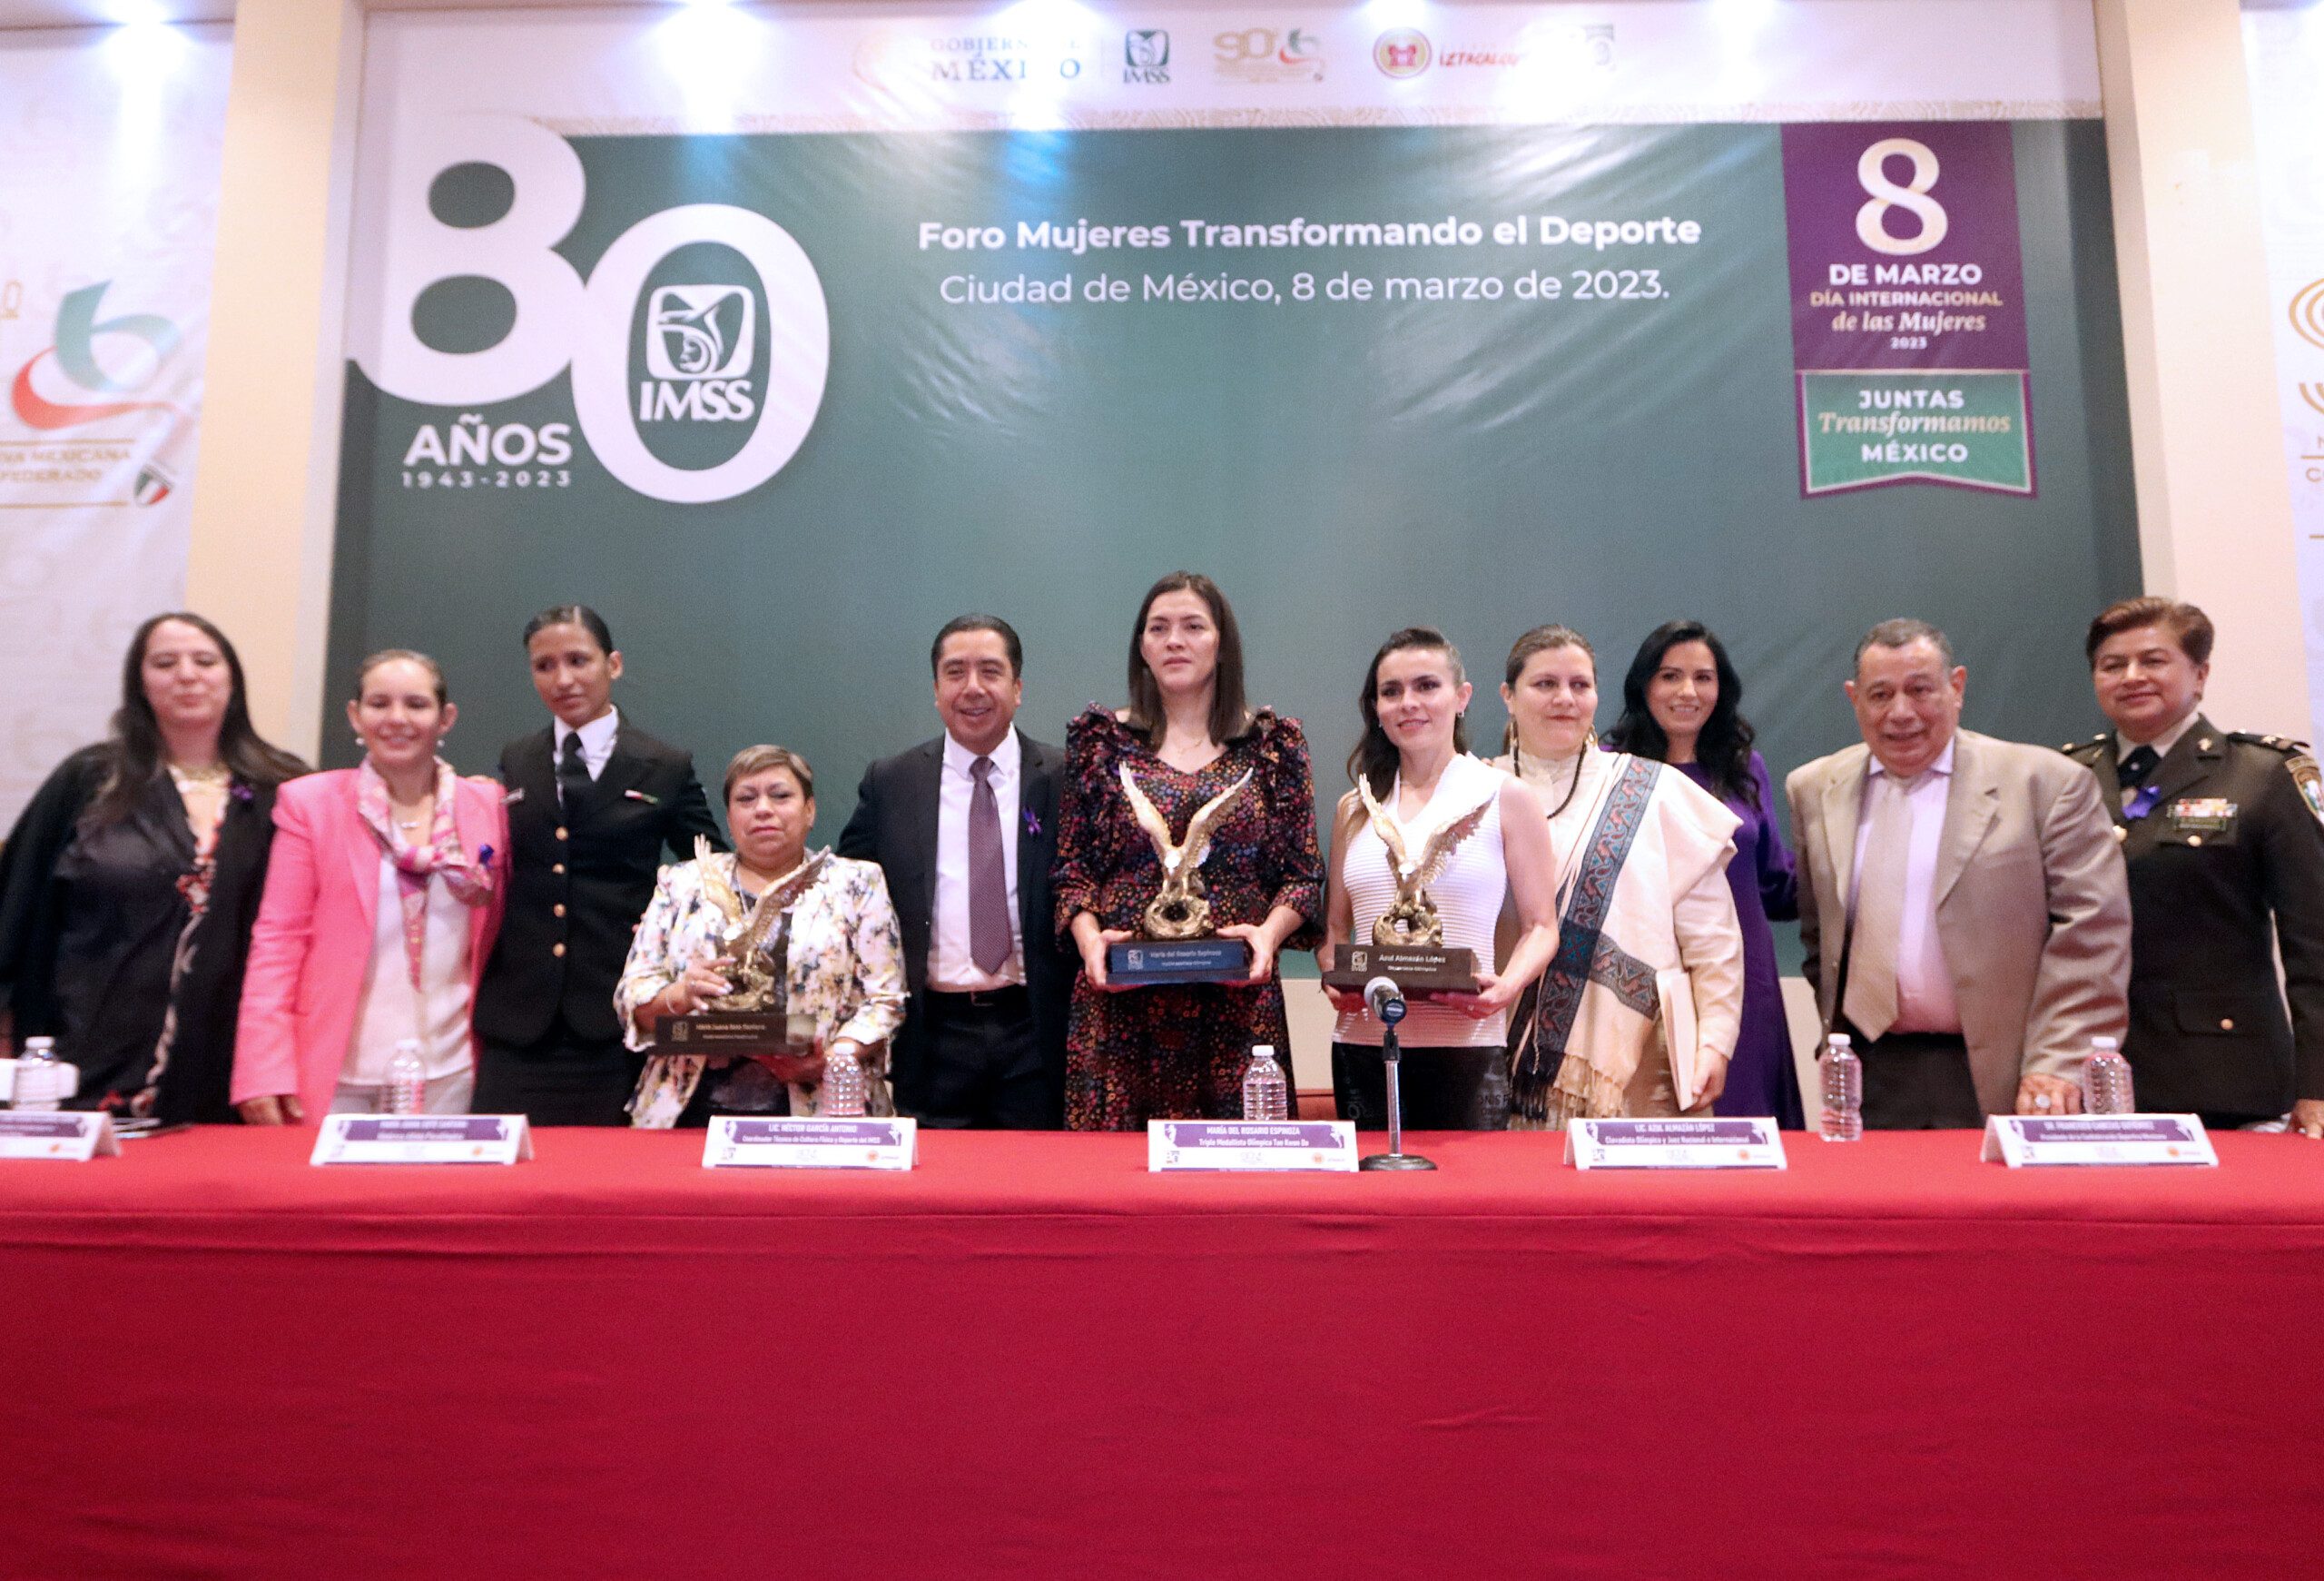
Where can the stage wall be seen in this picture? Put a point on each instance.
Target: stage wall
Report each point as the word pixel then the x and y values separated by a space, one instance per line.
pixel 692 318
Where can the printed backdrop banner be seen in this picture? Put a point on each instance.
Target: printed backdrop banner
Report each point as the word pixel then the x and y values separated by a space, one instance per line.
pixel 2284 47
pixel 109 158
pixel 781 338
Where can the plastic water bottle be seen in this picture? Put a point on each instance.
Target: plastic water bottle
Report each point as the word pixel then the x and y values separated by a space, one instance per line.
pixel 1265 1094
pixel 406 1089
pixel 842 1094
pixel 1843 1091
pixel 39 1075
pixel 2106 1079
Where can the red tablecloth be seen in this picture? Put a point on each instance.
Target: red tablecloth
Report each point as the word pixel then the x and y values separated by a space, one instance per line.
pixel 1031 1358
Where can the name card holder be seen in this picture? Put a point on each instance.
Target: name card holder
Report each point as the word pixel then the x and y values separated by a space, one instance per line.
pixel 2033 1140
pixel 1751 1143
pixel 1213 1145
pixel 810 1142
pixel 72 1139
pixel 423 1138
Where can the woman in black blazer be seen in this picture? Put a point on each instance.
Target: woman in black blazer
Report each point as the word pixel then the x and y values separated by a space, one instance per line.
pixel 593 802
pixel 129 885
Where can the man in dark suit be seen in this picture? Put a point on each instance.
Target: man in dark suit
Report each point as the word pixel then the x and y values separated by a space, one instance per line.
pixel 2226 857
pixel 964 827
pixel 593 802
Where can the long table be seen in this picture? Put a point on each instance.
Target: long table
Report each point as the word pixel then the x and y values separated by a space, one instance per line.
pixel 1031 1358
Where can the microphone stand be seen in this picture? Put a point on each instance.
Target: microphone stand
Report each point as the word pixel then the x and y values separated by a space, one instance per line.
pixel 1396 1158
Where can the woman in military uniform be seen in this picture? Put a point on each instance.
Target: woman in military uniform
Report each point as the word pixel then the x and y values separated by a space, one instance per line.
pixel 2224 835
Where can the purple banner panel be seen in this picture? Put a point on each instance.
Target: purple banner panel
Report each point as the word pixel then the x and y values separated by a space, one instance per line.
pixel 1904 245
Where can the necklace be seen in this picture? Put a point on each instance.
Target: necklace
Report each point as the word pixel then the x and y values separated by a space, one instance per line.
pixel 1517 761
pixel 208 778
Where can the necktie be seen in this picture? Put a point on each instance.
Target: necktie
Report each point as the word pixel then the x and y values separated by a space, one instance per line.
pixel 572 774
pixel 2132 772
pixel 988 874
pixel 1871 1001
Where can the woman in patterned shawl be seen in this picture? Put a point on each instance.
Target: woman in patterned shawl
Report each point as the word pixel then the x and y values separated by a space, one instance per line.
pixel 1645 915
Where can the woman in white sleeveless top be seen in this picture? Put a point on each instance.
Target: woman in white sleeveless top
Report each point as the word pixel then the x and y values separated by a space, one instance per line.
pixel 1415 761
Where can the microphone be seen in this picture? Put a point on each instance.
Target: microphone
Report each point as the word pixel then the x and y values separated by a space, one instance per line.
pixel 1384 1000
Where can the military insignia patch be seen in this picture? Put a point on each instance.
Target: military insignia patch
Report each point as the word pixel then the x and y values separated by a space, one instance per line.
pixel 2311 780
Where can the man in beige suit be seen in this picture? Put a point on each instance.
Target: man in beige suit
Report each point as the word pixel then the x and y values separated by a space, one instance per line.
pixel 1966 911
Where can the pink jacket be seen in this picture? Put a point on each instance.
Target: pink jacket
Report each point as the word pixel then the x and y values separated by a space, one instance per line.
pixel 312 942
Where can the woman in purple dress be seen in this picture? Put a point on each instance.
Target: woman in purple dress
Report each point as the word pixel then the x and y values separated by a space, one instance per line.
pixel 1682 706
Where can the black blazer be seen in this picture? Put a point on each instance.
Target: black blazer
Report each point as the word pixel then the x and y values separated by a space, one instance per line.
pixel 894 826
pixel 580 879
pixel 2215 890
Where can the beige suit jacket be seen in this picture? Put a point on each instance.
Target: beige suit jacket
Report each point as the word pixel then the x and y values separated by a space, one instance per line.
pixel 2033 903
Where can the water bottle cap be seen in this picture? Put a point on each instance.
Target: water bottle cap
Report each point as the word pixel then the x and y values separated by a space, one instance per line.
pixel 39 1046
pixel 2108 1045
pixel 1263 1050
pixel 1838 1040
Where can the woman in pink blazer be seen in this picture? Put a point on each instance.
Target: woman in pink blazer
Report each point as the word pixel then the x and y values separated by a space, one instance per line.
pixel 382 900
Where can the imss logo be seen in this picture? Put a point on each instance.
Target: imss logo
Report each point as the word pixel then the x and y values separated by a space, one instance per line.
pixel 696 349
pixel 698 346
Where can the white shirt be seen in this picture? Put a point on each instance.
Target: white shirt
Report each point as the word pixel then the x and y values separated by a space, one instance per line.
pixel 2162 744
pixel 390 1011
pixel 1468 896
pixel 1925 1000
pixel 951 968
pixel 597 740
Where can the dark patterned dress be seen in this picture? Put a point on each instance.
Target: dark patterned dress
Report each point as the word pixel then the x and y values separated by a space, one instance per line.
pixel 1177 1052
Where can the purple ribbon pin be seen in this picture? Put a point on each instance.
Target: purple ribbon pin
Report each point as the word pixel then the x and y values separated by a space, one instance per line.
pixel 2141 803
pixel 1033 823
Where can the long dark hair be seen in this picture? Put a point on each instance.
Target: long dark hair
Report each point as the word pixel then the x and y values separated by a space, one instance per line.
pixel 1230 715
pixel 135 752
pixel 1724 748
pixel 1375 760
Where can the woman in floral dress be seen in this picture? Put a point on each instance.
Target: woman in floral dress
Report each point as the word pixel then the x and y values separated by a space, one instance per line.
pixel 1177 1051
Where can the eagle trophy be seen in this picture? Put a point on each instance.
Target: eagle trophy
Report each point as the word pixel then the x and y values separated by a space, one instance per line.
pixel 1179 910
pixel 743 941
pixel 1413 923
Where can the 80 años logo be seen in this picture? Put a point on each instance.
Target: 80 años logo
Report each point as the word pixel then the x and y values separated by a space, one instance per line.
pixel 698 347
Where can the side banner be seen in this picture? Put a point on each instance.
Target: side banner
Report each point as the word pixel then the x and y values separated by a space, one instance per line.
pixel 2284 49
pixel 109 158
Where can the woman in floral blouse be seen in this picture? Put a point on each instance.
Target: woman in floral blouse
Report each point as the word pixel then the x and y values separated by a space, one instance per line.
pixel 1179 1051
pixel 841 956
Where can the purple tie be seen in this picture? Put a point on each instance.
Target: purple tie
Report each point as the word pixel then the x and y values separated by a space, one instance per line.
pixel 988 874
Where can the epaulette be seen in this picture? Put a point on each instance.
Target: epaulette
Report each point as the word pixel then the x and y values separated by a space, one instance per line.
pixel 2076 748
pixel 2283 744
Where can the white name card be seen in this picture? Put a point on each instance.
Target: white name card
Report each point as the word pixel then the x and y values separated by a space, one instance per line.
pixel 423 1138
pixel 810 1142
pixel 2029 1141
pixel 1674 1144
pixel 73 1138
pixel 1250 1144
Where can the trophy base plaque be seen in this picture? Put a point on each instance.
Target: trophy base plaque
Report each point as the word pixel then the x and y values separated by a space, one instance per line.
pixel 1143 963
pixel 1417 970
pixel 737 1032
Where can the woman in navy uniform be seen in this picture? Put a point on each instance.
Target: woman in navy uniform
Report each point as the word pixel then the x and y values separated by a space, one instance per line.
pixel 593 802
pixel 2224 835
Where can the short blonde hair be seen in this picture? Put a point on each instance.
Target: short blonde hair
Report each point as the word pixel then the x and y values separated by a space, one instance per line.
pixel 754 760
